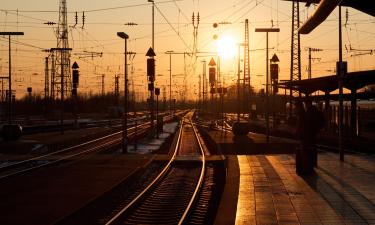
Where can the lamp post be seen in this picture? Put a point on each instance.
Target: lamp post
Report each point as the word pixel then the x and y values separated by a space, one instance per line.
pixel 10 74
pixel 125 119
pixel 267 30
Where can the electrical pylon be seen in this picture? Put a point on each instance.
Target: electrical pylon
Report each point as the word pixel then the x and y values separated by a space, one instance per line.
pixel 61 67
pixel 295 53
pixel 246 74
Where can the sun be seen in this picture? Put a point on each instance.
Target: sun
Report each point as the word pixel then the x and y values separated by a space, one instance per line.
pixel 226 46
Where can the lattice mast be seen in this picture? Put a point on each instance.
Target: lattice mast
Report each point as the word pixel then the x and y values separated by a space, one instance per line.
pixel 195 22
pixel 62 58
pixel 295 53
pixel 246 69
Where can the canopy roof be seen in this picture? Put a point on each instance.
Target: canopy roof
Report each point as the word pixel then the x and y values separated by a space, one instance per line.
pixel 352 81
pixel 325 8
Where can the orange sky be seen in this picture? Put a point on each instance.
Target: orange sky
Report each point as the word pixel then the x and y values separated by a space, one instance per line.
pixel 173 31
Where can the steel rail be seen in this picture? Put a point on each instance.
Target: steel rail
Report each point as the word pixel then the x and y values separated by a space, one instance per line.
pixel 161 174
pixel 200 181
pixel 115 219
pixel 76 147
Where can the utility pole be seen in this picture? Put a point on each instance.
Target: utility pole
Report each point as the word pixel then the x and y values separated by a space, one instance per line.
pixel 310 59
pixel 267 30
pixel 246 69
pixel 212 80
pixel 125 118
pixel 341 70
pixel 103 76
pixel 295 53
pixel 170 80
pixel 238 83
pixel 153 23
pixel 151 54
pixel 164 98
pixel 117 90
pixel 46 79
pixel 63 54
pixel 9 34
pixel 170 52
pixel 199 91
pixel 61 72
pixel 151 80
pixel 204 84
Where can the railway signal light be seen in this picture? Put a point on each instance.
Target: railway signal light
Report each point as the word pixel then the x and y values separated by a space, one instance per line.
pixel 151 67
pixel 274 71
pixel 75 82
pixel 212 75
pixel 157 91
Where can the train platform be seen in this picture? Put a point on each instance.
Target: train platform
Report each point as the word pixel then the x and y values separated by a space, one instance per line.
pixel 265 189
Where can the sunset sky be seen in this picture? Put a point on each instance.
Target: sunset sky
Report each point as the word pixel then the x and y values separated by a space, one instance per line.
pixel 173 31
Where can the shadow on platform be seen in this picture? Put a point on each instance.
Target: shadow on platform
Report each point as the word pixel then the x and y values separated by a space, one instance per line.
pixel 342 197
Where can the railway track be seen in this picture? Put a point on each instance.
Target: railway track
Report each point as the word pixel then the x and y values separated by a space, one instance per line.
pixel 170 197
pixel 19 167
pixel 11 169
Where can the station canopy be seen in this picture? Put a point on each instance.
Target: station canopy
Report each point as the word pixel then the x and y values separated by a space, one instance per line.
pixel 326 7
pixel 352 81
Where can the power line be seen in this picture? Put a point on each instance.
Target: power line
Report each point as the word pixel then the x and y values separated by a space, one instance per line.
pixel 91 10
pixel 165 18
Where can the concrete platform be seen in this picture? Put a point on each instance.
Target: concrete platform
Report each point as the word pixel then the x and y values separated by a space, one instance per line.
pixel 264 189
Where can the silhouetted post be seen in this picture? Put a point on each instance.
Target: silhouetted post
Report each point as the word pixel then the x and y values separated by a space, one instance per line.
pixel 62 88
pixel 341 69
pixel 151 79
pixel 10 73
pixel 170 80
pixel 274 67
pixel 157 93
pixel 238 82
pixel 75 82
pixel 212 80
pixel 203 84
pixel 267 30
pixel 125 120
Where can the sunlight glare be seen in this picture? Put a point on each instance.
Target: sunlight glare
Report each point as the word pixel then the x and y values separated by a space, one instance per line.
pixel 226 46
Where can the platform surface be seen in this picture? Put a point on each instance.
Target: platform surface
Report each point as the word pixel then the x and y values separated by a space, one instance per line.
pixel 263 188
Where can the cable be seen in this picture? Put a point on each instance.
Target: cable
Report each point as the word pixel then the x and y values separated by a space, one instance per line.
pixel 29 17
pixel 165 18
pixel 22 43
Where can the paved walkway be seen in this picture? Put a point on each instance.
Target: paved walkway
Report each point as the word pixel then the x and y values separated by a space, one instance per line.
pixel 270 192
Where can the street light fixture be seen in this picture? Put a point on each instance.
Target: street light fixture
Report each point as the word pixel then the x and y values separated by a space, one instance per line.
pixel 267 30
pixel 125 119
